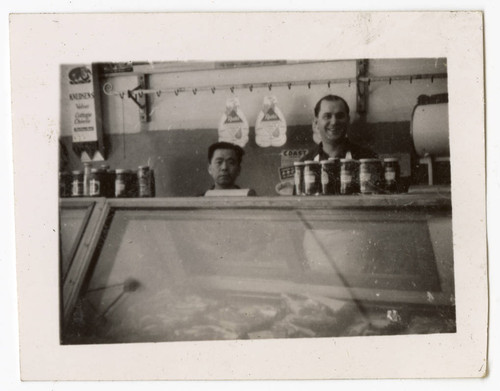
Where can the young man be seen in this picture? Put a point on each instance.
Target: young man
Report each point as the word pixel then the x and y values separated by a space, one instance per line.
pixel 224 166
pixel 332 121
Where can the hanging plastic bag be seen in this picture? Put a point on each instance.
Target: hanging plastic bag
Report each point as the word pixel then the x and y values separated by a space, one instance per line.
pixel 233 126
pixel 270 127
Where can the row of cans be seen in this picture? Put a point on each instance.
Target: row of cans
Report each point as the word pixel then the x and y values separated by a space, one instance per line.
pixel 105 182
pixel 347 176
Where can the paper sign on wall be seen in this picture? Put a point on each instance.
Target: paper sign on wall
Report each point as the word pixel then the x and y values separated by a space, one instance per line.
pixel 233 126
pixel 270 128
pixel 82 107
pixel 82 86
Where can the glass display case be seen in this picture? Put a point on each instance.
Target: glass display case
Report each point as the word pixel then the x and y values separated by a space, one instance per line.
pixel 181 269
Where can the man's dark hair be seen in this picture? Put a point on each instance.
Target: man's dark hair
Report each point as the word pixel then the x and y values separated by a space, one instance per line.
pixel 330 98
pixel 225 145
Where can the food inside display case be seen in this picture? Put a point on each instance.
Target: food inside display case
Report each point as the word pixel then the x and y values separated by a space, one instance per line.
pixel 169 270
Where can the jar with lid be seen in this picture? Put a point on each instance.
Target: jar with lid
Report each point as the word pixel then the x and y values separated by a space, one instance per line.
pixel 87 167
pixel 370 176
pixel 77 183
pixel 392 174
pixel 299 178
pixel 349 183
pixel 96 183
pixel 312 177
pixel 330 176
pixel 123 182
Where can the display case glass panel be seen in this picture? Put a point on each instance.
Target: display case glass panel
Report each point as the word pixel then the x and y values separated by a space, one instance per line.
pixel 176 274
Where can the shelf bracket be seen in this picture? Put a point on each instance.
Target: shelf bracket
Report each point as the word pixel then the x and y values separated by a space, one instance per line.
pixel 141 99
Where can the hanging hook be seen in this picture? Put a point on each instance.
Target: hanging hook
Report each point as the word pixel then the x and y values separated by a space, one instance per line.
pixel 141 94
pixel 432 79
pixel 122 95
pixel 232 90
pixel 349 83
pixel 158 93
pixel 411 79
pixel 176 92
pixel 289 86
pixel 251 87
pixel 213 90
pixel 390 80
pixel 329 84
pixel 369 82
pixel 309 85
pixel 195 91
pixel 270 86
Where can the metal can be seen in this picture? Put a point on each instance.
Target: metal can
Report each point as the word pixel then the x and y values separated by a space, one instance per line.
pixel 299 178
pixel 144 181
pixel 77 183
pixel 349 176
pixel 330 176
pixel 370 176
pixel 96 183
pixel 65 180
pixel 312 177
pixel 123 182
pixel 391 174
pixel 110 183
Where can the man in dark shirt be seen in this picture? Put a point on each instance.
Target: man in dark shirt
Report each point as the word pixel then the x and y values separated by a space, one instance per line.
pixel 332 121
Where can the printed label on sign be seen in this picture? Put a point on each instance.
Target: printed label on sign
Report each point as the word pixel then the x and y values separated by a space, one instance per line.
pixel 289 156
pixel 287 172
pixel 81 103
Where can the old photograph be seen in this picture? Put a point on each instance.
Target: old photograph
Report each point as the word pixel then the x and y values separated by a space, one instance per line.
pixel 259 199
pixel 303 202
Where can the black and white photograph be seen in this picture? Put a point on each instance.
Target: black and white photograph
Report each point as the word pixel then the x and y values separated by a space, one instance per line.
pixel 279 205
pixel 259 199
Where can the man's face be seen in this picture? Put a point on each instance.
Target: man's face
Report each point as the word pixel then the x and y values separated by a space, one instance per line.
pixel 332 122
pixel 224 168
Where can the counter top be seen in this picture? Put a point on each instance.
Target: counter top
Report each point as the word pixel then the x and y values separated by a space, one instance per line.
pixel 432 200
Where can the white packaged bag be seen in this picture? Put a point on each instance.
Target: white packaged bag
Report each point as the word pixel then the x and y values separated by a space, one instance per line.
pixel 270 127
pixel 233 126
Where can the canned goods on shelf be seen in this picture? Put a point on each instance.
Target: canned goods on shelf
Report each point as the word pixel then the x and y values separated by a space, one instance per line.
pixel 77 183
pixel 330 176
pixel 370 176
pixel 96 183
pixel 392 175
pixel 299 178
pixel 65 182
pixel 123 182
pixel 144 180
pixel 349 183
pixel 87 167
pixel 312 177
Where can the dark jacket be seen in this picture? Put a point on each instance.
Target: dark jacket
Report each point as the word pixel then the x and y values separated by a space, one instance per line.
pixel 357 152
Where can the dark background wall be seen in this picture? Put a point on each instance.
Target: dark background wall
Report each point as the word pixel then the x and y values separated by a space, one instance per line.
pixel 179 157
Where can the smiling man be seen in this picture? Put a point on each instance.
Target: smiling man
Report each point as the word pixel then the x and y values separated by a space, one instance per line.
pixel 332 121
pixel 224 166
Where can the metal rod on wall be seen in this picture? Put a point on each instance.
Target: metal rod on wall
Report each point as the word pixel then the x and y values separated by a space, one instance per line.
pixel 108 87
